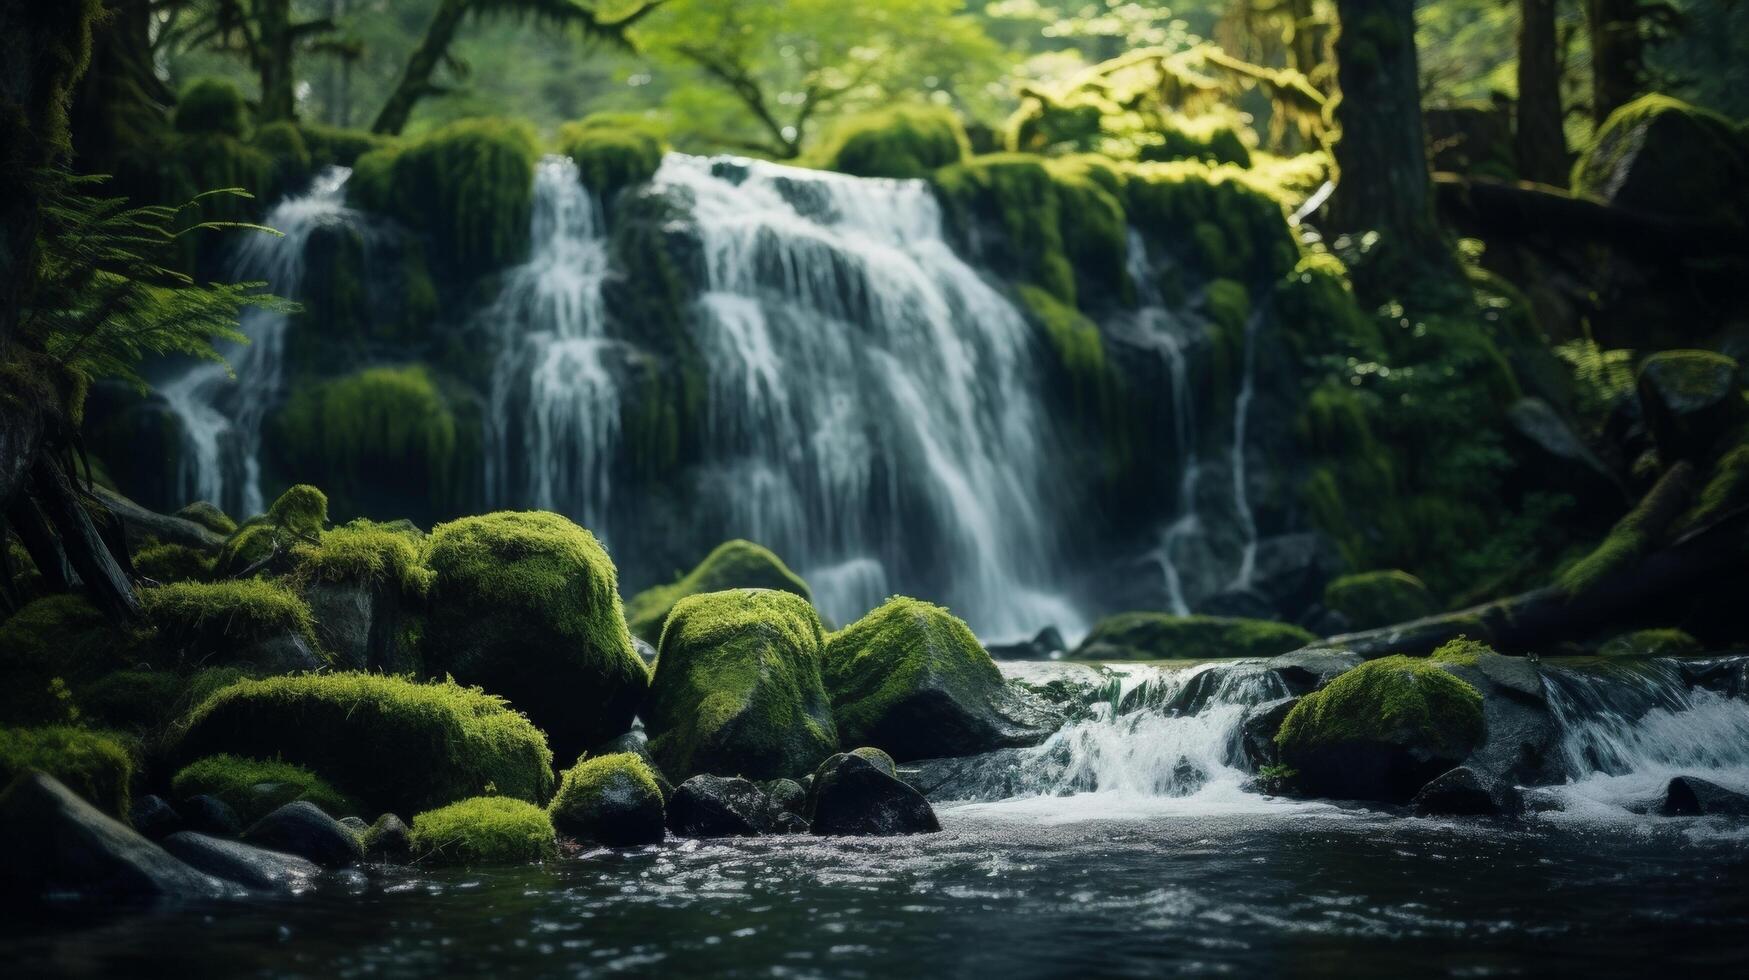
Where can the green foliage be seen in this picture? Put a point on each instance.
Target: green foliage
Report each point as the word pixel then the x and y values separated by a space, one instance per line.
pixel 255 788
pixel 612 152
pixel 527 605
pixel 484 830
pixel 1161 636
pixel 1381 598
pixel 1601 379
pixel 211 105
pixel 614 799
pixel 1235 229
pixel 208 619
pixel 173 563
pixel 738 689
pixel 1214 138
pixel 388 742
pixel 903 141
pixel 92 764
pixel 1393 700
pixel 1725 491
pixel 1462 652
pixel 736 564
pixel 468 187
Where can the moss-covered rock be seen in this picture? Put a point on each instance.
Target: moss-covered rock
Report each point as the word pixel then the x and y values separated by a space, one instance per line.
pixel 139 702
pixel 468 187
pixel 612 799
pixel 254 787
pixel 527 605
pixel 230 620
pixel 1213 138
pixel 1651 643
pixel 734 564
pixel 1663 155
pixel 92 764
pixel 1691 398
pixel 366 587
pixel 612 151
pixel 905 141
pixel 209 516
pixel 388 742
pixel 54 643
pixel 911 679
pixel 1161 636
pixel 484 830
pixel 211 105
pixel 173 563
pixel 738 689
pixel 1381 730
pixel 1381 598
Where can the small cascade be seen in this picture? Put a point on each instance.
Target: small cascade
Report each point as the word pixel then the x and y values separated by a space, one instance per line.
pixel 1627 729
pixel 553 423
pixel 1241 420
pixel 221 408
pixel 843 592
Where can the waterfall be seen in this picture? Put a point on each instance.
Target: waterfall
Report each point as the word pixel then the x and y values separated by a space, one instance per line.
pixel 1241 419
pixel 221 406
pixel 1627 729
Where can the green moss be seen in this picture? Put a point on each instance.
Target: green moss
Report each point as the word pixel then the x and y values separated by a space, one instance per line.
pixel 612 152
pixel 333 146
pixel 254 541
pixel 1461 652
pixel 736 564
pixel 1726 490
pixel 173 563
pixel 738 689
pixel 1235 230
pixel 137 701
pixel 365 553
pixel 302 511
pixel 209 516
pixel 92 764
pixel 1660 154
pixel 255 788
pixel 284 144
pixel 1394 701
pixel 1320 315
pixel 1651 643
pixel 52 643
pixel 1160 636
pixel 217 619
pixel 1381 598
pixel 614 799
pixel 1630 539
pixel 484 830
pixel 391 743
pixel 905 141
pixel 211 105
pixel 527 605
pixel 1214 138
pixel 1079 348
pixel 468 187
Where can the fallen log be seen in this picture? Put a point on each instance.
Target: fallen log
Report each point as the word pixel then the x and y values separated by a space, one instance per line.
pixel 1489 208
pixel 141 523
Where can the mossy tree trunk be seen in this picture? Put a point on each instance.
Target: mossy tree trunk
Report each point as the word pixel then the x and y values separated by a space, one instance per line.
pixel 274 64
pixel 1540 143
pixel 415 82
pixel 1383 182
pixel 1618 54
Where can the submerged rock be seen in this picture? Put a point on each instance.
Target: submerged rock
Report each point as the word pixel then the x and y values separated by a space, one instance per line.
pixel 60 846
pixel 249 866
pixel 738 687
pixel 718 806
pixel 855 796
pixel 1462 792
pixel 302 829
pixel 911 679
pixel 1691 796
pixel 612 799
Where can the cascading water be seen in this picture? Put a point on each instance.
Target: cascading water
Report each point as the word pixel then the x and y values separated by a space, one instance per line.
pixel 221 408
pixel 1241 420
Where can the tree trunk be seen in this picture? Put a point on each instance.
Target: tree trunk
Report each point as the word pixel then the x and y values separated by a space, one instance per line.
pixel 1617 55
pixel 1540 141
pixel 415 81
pixel 275 39
pixel 1383 183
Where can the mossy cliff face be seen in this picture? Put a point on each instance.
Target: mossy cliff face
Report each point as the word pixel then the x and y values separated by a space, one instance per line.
pixel 1161 636
pixel 736 564
pixel 910 679
pixel 1381 730
pixel 527 605
pixel 737 690
pixel 390 743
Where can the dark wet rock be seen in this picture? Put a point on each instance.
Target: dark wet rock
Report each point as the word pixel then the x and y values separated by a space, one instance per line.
pixel 786 796
pixel 1237 604
pixel 1258 730
pixel 789 823
pixel 1691 796
pixel 718 806
pixel 301 828
pixel 1304 671
pixel 1324 621
pixel 206 814
pixel 245 864
pixel 881 760
pixel 389 840
pixel 1044 646
pixel 609 799
pixel 354 824
pixel 286 653
pixel 1723 675
pixel 1547 445
pixel 1521 740
pixel 60 846
pixel 154 817
pixel 853 796
pixel 1691 399
pixel 1463 792
pixel 992 776
pixel 1291 569
pixel 360 625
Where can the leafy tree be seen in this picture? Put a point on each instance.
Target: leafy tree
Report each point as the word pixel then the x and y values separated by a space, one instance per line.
pixel 782 63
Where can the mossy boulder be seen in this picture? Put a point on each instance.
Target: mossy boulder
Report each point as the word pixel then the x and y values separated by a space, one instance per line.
pixel 173 563
pixel 139 702
pixel 389 742
pixel 255 788
pixel 1651 643
pixel 209 516
pixel 612 151
pixel 366 587
pixel 211 105
pixel 1162 636
pixel 734 564
pixel 250 621
pixel 1663 155
pixel 52 644
pixel 906 141
pixel 92 764
pixel 1691 398
pixel 611 799
pixel 737 690
pixel 911 679
pixel 527 606
pixel 1381 598
pixel 1212 138
pixel 852 795
pixel 1381 731
pixel 484 830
